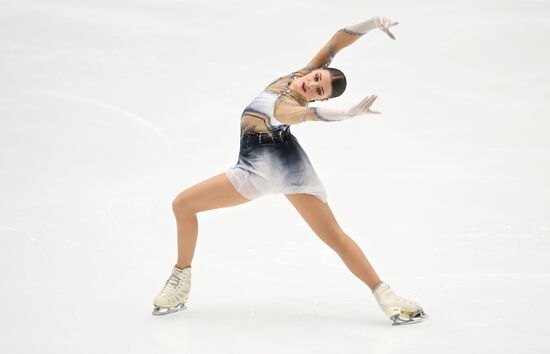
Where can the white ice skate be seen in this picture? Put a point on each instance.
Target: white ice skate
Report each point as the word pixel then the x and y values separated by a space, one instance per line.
pixel 173 296
pixel 400 310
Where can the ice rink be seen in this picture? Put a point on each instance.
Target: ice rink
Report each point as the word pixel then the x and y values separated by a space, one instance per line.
pixel 109 109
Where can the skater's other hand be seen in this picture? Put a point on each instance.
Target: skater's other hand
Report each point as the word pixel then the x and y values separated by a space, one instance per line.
pixel 385 24
pixel 363 107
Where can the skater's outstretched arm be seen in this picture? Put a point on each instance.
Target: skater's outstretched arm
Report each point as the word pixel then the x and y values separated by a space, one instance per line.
pixel 290 112
pixel 346 36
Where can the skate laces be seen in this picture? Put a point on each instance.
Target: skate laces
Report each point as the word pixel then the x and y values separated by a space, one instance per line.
pixel 173 280
pixel 171 284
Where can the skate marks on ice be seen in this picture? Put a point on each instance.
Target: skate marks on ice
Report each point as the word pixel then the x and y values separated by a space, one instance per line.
pixel 119 112
pixel 101 142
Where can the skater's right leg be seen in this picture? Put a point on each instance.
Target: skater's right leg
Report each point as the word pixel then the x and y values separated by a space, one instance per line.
pixel 213 193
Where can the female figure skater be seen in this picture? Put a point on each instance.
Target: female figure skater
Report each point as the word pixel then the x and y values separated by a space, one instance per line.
pixel 272 161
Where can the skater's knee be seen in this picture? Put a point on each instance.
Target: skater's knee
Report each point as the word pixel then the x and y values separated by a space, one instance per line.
pixel 342 242
pixel 183 203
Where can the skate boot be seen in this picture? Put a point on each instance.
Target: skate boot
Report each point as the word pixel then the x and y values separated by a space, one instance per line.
pixel 173 296
pixel 400 310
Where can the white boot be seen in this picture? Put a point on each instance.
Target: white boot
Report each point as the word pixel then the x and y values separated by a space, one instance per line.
pixel 173 296
pixel 398 309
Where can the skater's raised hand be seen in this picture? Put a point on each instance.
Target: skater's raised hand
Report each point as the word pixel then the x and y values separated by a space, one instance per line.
pixel 346 36
pixel 363 107
pixel 385 24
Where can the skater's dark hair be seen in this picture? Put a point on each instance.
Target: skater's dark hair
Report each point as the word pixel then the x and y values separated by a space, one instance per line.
pixel 338 82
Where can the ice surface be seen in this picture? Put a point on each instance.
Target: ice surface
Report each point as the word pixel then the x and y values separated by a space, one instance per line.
pixel 109 109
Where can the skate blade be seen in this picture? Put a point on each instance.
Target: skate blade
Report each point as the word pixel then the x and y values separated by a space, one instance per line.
pixel 161 311
pixel 409 318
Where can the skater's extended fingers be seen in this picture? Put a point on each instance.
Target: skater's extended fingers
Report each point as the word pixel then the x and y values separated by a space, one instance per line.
pixel 362 103
pixel 368 98
pixel 385 22
pixel 365 100
pixel 366 105
pixel 385 25
pixel 369 102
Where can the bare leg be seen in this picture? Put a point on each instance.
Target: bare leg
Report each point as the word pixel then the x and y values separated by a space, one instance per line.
pixel 321 220
pixel 215 192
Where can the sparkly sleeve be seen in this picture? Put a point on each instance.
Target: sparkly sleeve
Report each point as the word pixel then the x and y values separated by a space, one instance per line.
pixel 339 40
pixel 290 112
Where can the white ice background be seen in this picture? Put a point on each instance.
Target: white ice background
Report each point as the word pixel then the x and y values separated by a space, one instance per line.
pixel 109 109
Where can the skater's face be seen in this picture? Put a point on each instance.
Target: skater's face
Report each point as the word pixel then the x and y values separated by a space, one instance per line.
pixel 316 86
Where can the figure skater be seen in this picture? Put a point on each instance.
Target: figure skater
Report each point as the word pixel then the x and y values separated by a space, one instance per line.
pixel 271 161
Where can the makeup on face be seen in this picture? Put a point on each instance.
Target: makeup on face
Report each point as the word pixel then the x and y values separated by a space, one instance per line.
pixel 314 86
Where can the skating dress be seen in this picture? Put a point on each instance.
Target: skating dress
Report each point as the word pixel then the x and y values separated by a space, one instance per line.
pixel 271 160
pixel 278 164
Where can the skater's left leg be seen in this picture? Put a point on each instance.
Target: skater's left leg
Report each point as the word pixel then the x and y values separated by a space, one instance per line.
pixel 319 217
